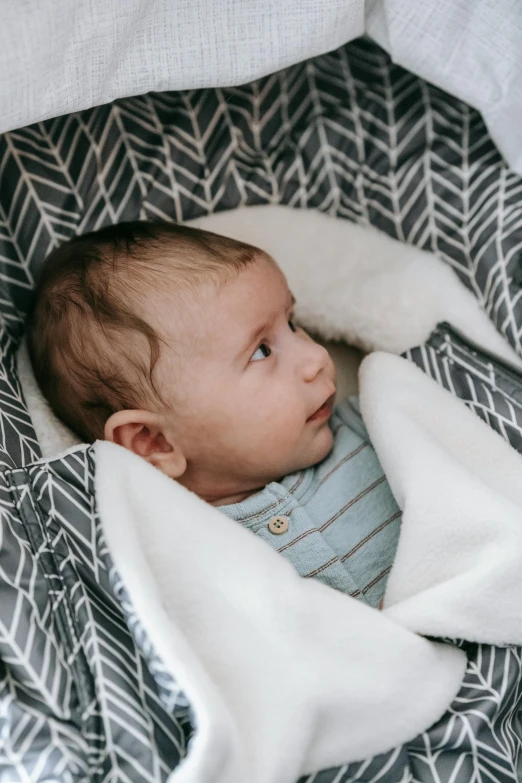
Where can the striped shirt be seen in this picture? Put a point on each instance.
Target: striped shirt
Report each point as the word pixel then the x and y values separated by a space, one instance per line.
pixel 341 517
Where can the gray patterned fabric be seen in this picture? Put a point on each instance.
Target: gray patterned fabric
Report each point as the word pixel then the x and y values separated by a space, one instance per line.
pixel 450 359
pixel 83 694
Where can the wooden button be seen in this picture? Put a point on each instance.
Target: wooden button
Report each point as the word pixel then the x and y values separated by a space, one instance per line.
pixel 278 525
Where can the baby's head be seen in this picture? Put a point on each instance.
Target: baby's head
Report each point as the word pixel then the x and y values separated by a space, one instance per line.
pixel 179 344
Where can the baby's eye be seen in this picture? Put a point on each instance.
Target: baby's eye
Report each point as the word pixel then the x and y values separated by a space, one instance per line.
pixel 263 352
pixel 292 326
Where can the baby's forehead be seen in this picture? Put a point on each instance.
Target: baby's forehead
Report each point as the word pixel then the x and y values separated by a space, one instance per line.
pixel 259 279
pixel 212 308
pixel 259 289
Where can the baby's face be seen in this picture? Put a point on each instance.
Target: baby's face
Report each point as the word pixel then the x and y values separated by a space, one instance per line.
pixel 251 393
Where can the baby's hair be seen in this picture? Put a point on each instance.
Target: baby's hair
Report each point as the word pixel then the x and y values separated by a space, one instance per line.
pixel 92 352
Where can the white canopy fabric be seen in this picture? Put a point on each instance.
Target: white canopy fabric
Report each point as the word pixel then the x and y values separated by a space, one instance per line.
pixel 61 56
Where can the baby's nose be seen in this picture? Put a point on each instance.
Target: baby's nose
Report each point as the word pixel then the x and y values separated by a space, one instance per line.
pixel 316 360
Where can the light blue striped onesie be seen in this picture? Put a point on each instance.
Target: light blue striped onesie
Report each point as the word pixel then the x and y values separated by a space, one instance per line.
pixel 336 521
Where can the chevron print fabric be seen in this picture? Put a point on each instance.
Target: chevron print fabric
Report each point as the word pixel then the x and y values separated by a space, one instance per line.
pixel 490 388
pixel 83 694
pixel 74 667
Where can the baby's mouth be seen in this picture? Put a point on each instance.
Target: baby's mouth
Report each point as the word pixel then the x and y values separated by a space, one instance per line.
pixel 324 411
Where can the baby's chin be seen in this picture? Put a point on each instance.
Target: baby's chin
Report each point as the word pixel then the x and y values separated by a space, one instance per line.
pixel 318 449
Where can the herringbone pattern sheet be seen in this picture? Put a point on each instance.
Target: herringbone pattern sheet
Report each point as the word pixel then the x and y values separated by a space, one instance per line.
pixel 77 678
pixel 491 388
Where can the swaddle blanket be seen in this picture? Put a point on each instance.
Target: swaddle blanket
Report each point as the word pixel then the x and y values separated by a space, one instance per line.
pixel 275 663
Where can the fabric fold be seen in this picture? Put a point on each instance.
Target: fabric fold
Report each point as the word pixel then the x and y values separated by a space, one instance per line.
pixel 458 569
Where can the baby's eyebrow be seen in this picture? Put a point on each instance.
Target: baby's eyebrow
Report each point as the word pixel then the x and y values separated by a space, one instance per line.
pixel 255 335
pixel 258 331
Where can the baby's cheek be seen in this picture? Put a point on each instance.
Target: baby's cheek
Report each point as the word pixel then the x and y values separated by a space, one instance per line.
pixel 282 426
pixel 278 408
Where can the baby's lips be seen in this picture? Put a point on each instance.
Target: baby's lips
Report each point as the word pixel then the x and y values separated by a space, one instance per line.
pixel 323 410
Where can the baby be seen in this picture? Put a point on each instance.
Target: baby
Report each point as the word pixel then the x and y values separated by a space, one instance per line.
pixel 181 346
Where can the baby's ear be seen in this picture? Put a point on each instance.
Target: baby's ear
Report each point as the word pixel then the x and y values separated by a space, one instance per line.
pixel 141 432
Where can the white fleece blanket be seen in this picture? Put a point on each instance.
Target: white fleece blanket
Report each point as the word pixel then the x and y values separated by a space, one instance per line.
pixel 286 675
pixel 458 568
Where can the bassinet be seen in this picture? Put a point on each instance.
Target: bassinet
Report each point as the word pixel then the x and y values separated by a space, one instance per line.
pixel 83 693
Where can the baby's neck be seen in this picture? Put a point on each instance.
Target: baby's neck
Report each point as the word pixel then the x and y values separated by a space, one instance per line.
pixel 220 491
pixel 237 498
